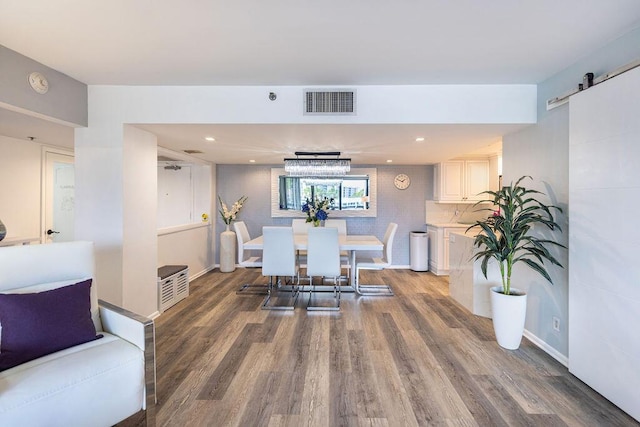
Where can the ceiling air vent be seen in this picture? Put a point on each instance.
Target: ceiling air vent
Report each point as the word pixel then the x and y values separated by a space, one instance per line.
pixel 193 151
pixel 340 101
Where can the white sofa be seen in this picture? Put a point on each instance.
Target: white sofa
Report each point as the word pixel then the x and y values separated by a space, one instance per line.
pixel 98 383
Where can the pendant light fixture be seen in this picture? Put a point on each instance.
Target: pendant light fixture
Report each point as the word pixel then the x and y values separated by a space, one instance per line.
pixel 309 163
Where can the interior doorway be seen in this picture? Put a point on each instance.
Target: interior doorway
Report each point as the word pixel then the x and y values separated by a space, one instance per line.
pixel 58 196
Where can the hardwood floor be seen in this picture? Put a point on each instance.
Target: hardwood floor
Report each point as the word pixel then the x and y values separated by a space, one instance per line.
pixel 415 359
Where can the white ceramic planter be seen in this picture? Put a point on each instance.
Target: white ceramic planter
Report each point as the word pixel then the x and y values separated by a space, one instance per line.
pixel 509 313
pixel 227 251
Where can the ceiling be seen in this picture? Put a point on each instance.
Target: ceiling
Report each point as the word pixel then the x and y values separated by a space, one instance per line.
pixel 298 42
pixel 364 144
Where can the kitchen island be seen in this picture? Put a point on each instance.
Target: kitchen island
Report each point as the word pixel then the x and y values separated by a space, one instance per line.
pixel 467 284
pixel 439 245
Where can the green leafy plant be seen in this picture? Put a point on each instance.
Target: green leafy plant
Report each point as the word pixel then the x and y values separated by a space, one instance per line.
pixel 506 234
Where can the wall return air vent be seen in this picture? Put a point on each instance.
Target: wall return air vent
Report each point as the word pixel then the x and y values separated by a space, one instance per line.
pixel 330 102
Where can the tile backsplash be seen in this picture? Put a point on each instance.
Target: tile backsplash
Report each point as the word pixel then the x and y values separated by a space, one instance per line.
pixel 450 212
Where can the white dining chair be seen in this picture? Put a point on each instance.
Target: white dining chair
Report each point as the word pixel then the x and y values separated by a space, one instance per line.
pixel 345 261
pixel 247 260
pixel 279 262
pixel 300 226
pixel 323 261
pixel 377 264
pixel 340 224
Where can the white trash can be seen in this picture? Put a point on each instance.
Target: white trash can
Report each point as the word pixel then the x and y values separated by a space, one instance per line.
pixel 419 250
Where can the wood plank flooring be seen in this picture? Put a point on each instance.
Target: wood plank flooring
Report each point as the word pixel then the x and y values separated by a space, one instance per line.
pixel 415 359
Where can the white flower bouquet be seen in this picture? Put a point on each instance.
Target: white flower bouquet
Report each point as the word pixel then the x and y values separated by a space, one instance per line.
pixel 230 215
pixel 317 210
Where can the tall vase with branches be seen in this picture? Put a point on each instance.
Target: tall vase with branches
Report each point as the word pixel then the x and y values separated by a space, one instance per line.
pixel 228 237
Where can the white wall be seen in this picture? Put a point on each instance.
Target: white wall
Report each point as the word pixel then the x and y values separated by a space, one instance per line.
pixel 192 247
pixel 65 102
pixel 20 178
pixel 604 344
pixel 183 194
pixel 175 196
pixel 458 104
pixel 541 151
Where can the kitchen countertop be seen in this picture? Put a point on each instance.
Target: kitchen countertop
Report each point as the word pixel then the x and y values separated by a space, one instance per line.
pixel 471 234
pixel 449 224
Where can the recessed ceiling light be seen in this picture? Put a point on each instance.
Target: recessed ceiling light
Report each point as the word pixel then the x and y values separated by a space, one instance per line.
pixel 389 161
pixel 420 139
pixel 252 161
pixel 209 138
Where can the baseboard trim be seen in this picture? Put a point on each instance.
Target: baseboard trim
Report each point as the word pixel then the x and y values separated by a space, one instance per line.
pixel 564 360
pixel 202 273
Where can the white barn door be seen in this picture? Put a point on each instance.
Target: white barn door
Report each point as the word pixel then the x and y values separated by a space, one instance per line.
pixel 604 239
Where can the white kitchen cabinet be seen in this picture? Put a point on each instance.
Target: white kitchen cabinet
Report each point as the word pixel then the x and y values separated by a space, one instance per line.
pixel 439 246
pixel 467 283
pixel 433 248
pixel 460 181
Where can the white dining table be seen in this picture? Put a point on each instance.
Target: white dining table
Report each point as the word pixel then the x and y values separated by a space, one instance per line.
pixel 350 243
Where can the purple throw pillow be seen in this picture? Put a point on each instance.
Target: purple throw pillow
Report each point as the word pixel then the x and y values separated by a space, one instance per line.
pixel 37 324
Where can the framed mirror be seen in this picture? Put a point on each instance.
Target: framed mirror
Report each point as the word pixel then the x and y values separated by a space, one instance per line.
pixel 354 195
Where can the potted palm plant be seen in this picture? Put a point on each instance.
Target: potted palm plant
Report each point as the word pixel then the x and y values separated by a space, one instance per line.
pixel 506 237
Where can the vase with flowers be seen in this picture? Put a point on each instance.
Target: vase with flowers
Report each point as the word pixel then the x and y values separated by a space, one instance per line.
pixel 228 237
pixel 228 216
pixel 317 210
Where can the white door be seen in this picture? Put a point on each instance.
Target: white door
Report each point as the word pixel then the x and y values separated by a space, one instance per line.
pixel 59 197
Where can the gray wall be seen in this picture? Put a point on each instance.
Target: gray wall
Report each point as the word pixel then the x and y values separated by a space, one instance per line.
pixel 405 207
pixel 542 151
pixel 66 99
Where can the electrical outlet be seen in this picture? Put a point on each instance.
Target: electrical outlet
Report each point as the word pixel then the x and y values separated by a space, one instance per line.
pixel 556 324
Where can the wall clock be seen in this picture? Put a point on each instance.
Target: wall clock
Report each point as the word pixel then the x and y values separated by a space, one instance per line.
pixel 38 82
pixel 402 181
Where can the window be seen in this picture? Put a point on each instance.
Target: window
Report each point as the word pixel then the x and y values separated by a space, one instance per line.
pixel 353 195
pixel 347 193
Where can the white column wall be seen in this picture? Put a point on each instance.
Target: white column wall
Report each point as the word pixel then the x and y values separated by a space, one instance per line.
pixel 99 202
pixel 604 239
pixel 140 202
